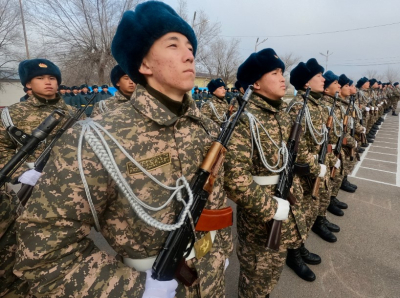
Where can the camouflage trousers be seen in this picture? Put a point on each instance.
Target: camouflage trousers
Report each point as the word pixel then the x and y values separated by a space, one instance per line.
pixel 348 164
pixel 366 120
pixel 325 192
pixel 336 182
pixel 260 267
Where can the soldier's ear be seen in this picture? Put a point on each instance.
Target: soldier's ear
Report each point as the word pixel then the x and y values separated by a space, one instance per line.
pixel 257 85
pixel 28 85
pixel 144 68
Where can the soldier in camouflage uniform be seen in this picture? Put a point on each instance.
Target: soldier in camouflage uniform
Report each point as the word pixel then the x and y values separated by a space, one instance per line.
pixel 331 87
pixel 125 87
pixel 395 97
pixel 251 177
pixel 302 76
pixel 350 154
pixel 363 101
pixel 168 136
pixel 43 78
pixel 216 107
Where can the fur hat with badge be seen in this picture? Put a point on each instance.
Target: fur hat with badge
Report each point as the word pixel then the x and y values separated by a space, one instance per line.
pixel 139 29
pixel 29 69
pixel 215 84
pixel 116 73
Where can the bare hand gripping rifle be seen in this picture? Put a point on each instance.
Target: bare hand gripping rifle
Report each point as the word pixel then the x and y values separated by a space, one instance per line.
pixel 170 261
pixel 26 190
pixel 286 177
pixel 29 144
pixel 325 147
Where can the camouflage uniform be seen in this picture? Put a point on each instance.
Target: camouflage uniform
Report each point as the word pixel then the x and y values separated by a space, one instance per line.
pixel 327 101
pixel 27 116
pixel 55 254
pixel 363 101
pixel 395 97
pixel 110 104
pixel 221 106
pixel 318 117
pixel 260 268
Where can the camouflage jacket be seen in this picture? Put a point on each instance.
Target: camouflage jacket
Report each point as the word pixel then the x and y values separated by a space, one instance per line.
pixel 27 116
pixel 56 255
pixel 111 104
pixel 221 107
pixel 327 102
pixel 318 118
pixel 363 98
pixel 243 162
pixel 358 128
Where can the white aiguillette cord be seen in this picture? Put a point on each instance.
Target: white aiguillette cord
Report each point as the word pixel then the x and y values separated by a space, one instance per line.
pixel 100 147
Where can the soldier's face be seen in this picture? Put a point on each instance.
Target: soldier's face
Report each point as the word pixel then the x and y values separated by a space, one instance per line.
pixel 68 91
pixel 105 89
pixel 126 85
pixel 95 90
pixel 85 90
pixel 345 91
pixel 365 86
pixel 353 89
pixel 75 91
pixel 332 88
pixel 62 91
pixel 272 84
pixel 220 91
pixel 169 65
pixel 375 85
pixel 317 83
pixel 45 86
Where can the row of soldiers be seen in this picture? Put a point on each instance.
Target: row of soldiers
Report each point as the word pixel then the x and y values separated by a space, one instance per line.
pixel 201 96
pixel 126 171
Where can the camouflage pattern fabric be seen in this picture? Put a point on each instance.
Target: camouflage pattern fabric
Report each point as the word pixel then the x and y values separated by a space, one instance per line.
pixel 56 256
pixel 221 106
pixel 27 116
pixel 112 103
pixel 337 180
pixel 318 116
pixel 260 267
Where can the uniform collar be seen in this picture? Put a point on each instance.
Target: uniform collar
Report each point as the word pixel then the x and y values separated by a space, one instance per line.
pixel 120 97
pixel 310 97
pixel 261 103
pixel 153 109
pixel 34 101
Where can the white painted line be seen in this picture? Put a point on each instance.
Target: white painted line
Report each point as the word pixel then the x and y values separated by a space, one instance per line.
pixel 398 159
pixel 389 134
pixel 383 153
pixel 388 138
pixel 382 142
pixel 394 148
pixel 378 170
pixel 381 160
pixel 374 181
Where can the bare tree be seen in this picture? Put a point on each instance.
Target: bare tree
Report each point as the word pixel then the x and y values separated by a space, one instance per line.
pixel 9 36
pixel 290 60
pixel 78 34
pixel 221 59
pixel 391 74
pixel 373 74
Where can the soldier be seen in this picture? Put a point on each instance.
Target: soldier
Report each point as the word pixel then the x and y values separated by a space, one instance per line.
pixel 228 96
pixel 217 106
pixel 302 76
pixel 363 101
pixel 95 89
pixel 61 90
pixel 82 100
pixel 42 77
pixel 197 97
pixel 27 95
pixel 105 94
pixel 74 96
pixel 395 97
pixel 125 86
pixel 68 91
pixel 331 86
pixel 252 173
pixel 162 129
pixel 204 95
pixel 239 88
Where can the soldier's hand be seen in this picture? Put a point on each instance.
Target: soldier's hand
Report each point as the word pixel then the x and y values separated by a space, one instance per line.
pixel 338 163
pixel 323 171
pixel 282 212
pixel 30 177
pixel 159 289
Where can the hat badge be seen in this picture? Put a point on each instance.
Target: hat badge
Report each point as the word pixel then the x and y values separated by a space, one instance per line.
pixel 42 65
pixel 276 56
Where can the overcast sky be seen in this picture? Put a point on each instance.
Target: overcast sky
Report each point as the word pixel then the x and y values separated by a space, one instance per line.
pixel 249 19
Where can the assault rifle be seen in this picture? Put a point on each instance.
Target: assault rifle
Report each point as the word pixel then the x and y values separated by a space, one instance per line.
pixel 325 147
pixel 170 261
pixel 26 190
pixel 30 143
pixel 286 177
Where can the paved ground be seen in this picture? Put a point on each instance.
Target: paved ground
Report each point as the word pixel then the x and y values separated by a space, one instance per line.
pixel 365 261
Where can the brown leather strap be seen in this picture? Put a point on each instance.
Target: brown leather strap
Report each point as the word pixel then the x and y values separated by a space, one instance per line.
pixel 211 220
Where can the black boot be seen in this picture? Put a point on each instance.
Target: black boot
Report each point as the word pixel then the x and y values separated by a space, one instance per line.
pixel 331 226
pixel 340 204
pixel 309 257
pixel 370 140
pixel 332 208
pixel 267 296
pixel 322 230
pixel 296 263
pixel 351 184
pixel 361 150
pixel 394 113
pixel 346 187
pixel 365 145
